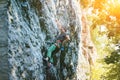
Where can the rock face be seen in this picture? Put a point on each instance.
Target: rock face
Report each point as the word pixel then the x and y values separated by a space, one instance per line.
pixel 4 68
pixel 31 29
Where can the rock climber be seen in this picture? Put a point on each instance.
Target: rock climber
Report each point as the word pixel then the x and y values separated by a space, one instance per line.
pixel 62 38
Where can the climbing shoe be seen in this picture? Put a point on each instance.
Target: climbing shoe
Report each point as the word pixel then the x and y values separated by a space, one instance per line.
pixel 46 59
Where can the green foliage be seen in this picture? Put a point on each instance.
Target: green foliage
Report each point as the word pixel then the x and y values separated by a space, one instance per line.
pixel 113 58
pixel 104 13
pixel 113 73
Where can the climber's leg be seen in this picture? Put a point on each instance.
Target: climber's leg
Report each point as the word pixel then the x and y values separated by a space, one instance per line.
pixel 49 52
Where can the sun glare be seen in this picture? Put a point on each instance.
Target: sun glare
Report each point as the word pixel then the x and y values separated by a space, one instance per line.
pixel 103 28
pixel 113 7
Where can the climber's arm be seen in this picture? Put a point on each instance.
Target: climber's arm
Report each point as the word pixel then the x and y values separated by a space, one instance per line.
pixel 66 40
pixel 68 37
pixel 59 26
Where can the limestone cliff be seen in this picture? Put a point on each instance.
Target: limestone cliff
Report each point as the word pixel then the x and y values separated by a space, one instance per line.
pixel 3 40
pixel 29 29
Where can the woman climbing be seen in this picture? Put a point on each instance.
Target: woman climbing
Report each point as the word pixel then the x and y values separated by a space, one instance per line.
pixel 59 43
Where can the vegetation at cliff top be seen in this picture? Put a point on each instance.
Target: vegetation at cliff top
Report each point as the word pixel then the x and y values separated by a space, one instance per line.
pixel 103 17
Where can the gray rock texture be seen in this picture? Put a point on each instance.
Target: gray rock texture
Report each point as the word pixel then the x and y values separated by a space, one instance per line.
pixel 4 67
pixel 28 28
